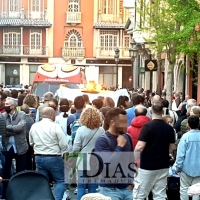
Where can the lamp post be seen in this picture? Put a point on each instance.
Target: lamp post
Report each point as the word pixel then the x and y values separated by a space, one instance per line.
pixel 116 61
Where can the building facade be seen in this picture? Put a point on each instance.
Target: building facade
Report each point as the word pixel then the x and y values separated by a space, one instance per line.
pixel 24 29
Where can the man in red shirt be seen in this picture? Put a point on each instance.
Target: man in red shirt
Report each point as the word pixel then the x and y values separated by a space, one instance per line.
pixel 3 97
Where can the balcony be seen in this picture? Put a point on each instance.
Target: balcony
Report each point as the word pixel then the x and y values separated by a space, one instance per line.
pixel 73 53
pixel 22 15
pixel 109 52
pixel 23 50
pixel 73 18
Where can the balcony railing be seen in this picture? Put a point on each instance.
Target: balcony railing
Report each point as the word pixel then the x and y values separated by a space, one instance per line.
pixel 73 52
pixel 110 52
pixel 23 50
pixel 22 15
pixel 73 17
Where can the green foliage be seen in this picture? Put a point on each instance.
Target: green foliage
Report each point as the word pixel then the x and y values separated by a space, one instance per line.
pixel 172 24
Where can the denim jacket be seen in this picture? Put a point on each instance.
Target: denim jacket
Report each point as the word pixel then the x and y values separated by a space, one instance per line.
pixel 187 159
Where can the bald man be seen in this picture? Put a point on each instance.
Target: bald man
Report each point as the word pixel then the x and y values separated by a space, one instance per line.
pixel 49 142
pixel 154 99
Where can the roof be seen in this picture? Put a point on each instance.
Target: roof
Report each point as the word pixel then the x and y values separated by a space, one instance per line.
pixel 108 25
pixel 24 22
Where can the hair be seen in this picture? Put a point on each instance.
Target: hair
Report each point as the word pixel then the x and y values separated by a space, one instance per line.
pixel 98 103
pixel 140 110
pixel 108 102
pixel 3 95
pixel 64 107
pixel 165 103
pixel 48 96
pixel 8 94
pixel 54 101
pixel 111 115
pixel 25 108
pixel 191 102
pixel 12 101
pixel 79 102
pixel 30 100
pixel 157 107
pixel 91 118
pixel 73 110
pixel 137 99
pixel 86 98
pixel 105 110
pixel 121 103
pixel 166 117
pixel 196 111
pixel 21 98
pixel 100 97
pixel 14 94
pixel 193 122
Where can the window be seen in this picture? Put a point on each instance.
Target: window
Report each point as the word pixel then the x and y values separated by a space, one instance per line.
pixel 126 42
pixel 109 40
pixel 35 5
pixel 107 6
pixel 12 38
pixel 36 41
pixel 73 6
pixel 13 5
pixel 73 39
pixel 107 76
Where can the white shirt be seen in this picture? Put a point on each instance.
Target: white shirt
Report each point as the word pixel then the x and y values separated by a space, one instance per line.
pixel 47 137
pixel 62 121
pixel 11 141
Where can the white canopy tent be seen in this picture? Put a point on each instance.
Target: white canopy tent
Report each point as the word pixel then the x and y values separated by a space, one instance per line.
pixel 71 94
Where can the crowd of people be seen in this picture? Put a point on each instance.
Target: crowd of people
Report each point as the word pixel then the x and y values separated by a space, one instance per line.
pixel 49 137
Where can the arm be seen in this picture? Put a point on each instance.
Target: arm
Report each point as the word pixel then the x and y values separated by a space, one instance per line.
pixel 140 146
pixel 78 140
pixel 180 154
pixel 30 137
pixel 172 147
pixel 19 127
pixel 62 139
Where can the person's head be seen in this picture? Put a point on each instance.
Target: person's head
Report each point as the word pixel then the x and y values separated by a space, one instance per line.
pixel 91 118
pixel 25 108
pixel 3 97
pixel 21 98
pixel 123 102
pixel 73 110
pixel 193 122
pixel 157 108
pixel 165 103
pixel 30 100
pixel 100 97
pixel 104 111
pixel 97 103
pixel 168 119
pixel 108 102
pixel 190 103
pixel 14 94
pixel 187 97
pixel 163 96
pixel 140 110
pixel 10 105
pixel 155 98
pixel 137 99
pixel 48 96
pixel 64 107
pixel 195 111
pixel 49 113
pixel 7 92
pixel 53 103
pixel 79 103
pixel 116 121
pixel 71 103
pixel 86 98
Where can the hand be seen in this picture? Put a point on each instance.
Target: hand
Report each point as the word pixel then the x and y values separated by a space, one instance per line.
pixel 177 172
pixel 121 141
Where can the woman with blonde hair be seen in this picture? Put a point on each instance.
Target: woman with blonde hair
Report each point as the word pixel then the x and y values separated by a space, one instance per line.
pixel 84 142
pixel 108 102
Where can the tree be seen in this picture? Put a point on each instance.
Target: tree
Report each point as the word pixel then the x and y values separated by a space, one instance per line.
pixel 172 25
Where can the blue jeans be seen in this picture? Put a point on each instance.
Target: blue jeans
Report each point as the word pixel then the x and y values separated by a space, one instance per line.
pixel 53 165
pixel 117 194
pixel 92 187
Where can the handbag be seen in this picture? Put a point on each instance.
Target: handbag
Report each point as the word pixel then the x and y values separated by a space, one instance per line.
pixel 71 158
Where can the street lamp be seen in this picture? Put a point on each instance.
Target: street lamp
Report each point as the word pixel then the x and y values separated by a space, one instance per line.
pixel 116 61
